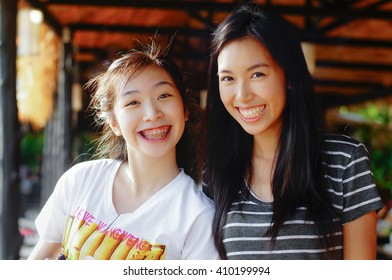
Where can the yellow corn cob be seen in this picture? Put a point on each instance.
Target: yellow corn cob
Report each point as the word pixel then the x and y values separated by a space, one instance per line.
pixel 121 251
pixel 91 244
pixel 66 232
pixel 80 237
pixel 156 252
pixel 72 232
pixel 106 248
pixel 136 254
pixel 141 253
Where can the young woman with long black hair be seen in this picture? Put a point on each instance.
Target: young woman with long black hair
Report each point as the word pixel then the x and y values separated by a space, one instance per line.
pixel 283 188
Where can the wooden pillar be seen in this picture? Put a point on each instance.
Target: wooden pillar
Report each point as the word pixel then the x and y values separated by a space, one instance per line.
pixel 10 238
pixel 57 156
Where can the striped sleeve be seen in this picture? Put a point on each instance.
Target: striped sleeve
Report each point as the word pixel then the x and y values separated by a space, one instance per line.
pixel 360 194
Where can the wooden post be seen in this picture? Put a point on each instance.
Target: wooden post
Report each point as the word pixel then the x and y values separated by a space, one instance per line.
pixel 10 239
pixel 57 156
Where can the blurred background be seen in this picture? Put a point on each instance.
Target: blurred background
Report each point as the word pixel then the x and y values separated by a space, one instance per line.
pixel 50 48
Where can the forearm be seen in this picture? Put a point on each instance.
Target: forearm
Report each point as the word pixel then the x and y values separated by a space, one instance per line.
pixel 45 250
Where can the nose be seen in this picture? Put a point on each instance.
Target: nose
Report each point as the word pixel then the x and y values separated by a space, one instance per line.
pixel 152 112
pixel 243 92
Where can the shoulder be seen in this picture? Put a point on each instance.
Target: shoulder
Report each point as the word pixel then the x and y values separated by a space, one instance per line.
pixel 346 147
pixel 341 142
pixel 89 170
pixel 92 165
pixel 97 163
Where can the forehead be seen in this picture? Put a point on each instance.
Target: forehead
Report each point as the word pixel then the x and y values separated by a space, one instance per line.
pixel 243 52
pixel 150 72
pixel 148 78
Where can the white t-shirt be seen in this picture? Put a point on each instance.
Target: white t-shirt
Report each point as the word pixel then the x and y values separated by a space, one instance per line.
pixel 175 223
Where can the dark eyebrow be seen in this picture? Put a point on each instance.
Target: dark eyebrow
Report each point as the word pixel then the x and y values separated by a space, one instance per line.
pixel 162 83
pixel 250 68
pixel 158 84
pixel 257 66
pixel 129 92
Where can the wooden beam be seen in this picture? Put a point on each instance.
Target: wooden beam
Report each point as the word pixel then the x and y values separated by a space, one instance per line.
pixel 48 18
pixel 139 29
pixel 168 5
pixel 335 99
pixel 348 84
pixel 306 37
pixel 228 7
pixel 348 17
pixel 354 65
pixel 10 239
pixel 345 41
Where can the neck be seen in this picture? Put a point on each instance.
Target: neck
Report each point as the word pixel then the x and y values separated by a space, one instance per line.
pixel 146 173
pixel 265 146
pixel 264 159
pixel 138 179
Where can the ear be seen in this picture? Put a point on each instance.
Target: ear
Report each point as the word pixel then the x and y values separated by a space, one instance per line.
pixel 114 126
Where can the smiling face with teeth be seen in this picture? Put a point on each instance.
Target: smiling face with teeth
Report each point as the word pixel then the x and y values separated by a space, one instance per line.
pixel 252 86
pixel 149 114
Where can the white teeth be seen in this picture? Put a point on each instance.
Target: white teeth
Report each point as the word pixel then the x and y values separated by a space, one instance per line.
pixel 156 133
pixel 252 113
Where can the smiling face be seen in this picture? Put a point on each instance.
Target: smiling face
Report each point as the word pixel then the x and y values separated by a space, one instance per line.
pixel 252 86
pixel 149 113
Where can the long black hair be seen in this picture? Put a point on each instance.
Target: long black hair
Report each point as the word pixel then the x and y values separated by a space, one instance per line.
pixel 298 176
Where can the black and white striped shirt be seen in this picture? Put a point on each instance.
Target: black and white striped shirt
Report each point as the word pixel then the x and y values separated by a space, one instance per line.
pixel 353 193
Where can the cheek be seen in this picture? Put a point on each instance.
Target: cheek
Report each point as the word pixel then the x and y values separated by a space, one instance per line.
pixel 279 100
pixel 127 120
pixel 181 117
pixel 224 96
pixel 177 110
pixel 275 91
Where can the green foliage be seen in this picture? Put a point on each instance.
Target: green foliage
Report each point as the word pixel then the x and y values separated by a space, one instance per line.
pixel 381 164
pixel 84 146
pixel 31 147
pixel 377 113
pixel 376 134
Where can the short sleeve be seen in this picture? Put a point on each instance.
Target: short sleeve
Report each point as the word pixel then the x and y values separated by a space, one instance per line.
pixel 50 222
pixel 360 193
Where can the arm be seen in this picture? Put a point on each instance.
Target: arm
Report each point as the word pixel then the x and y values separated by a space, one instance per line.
pixel 50 222
pixel 45 250
pixel 360 238
pixel 361 201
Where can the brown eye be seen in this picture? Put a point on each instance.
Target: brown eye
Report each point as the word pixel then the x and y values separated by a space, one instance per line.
pixel 257 75
pixel 164 95
pixel 226 79
pixel 133 103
